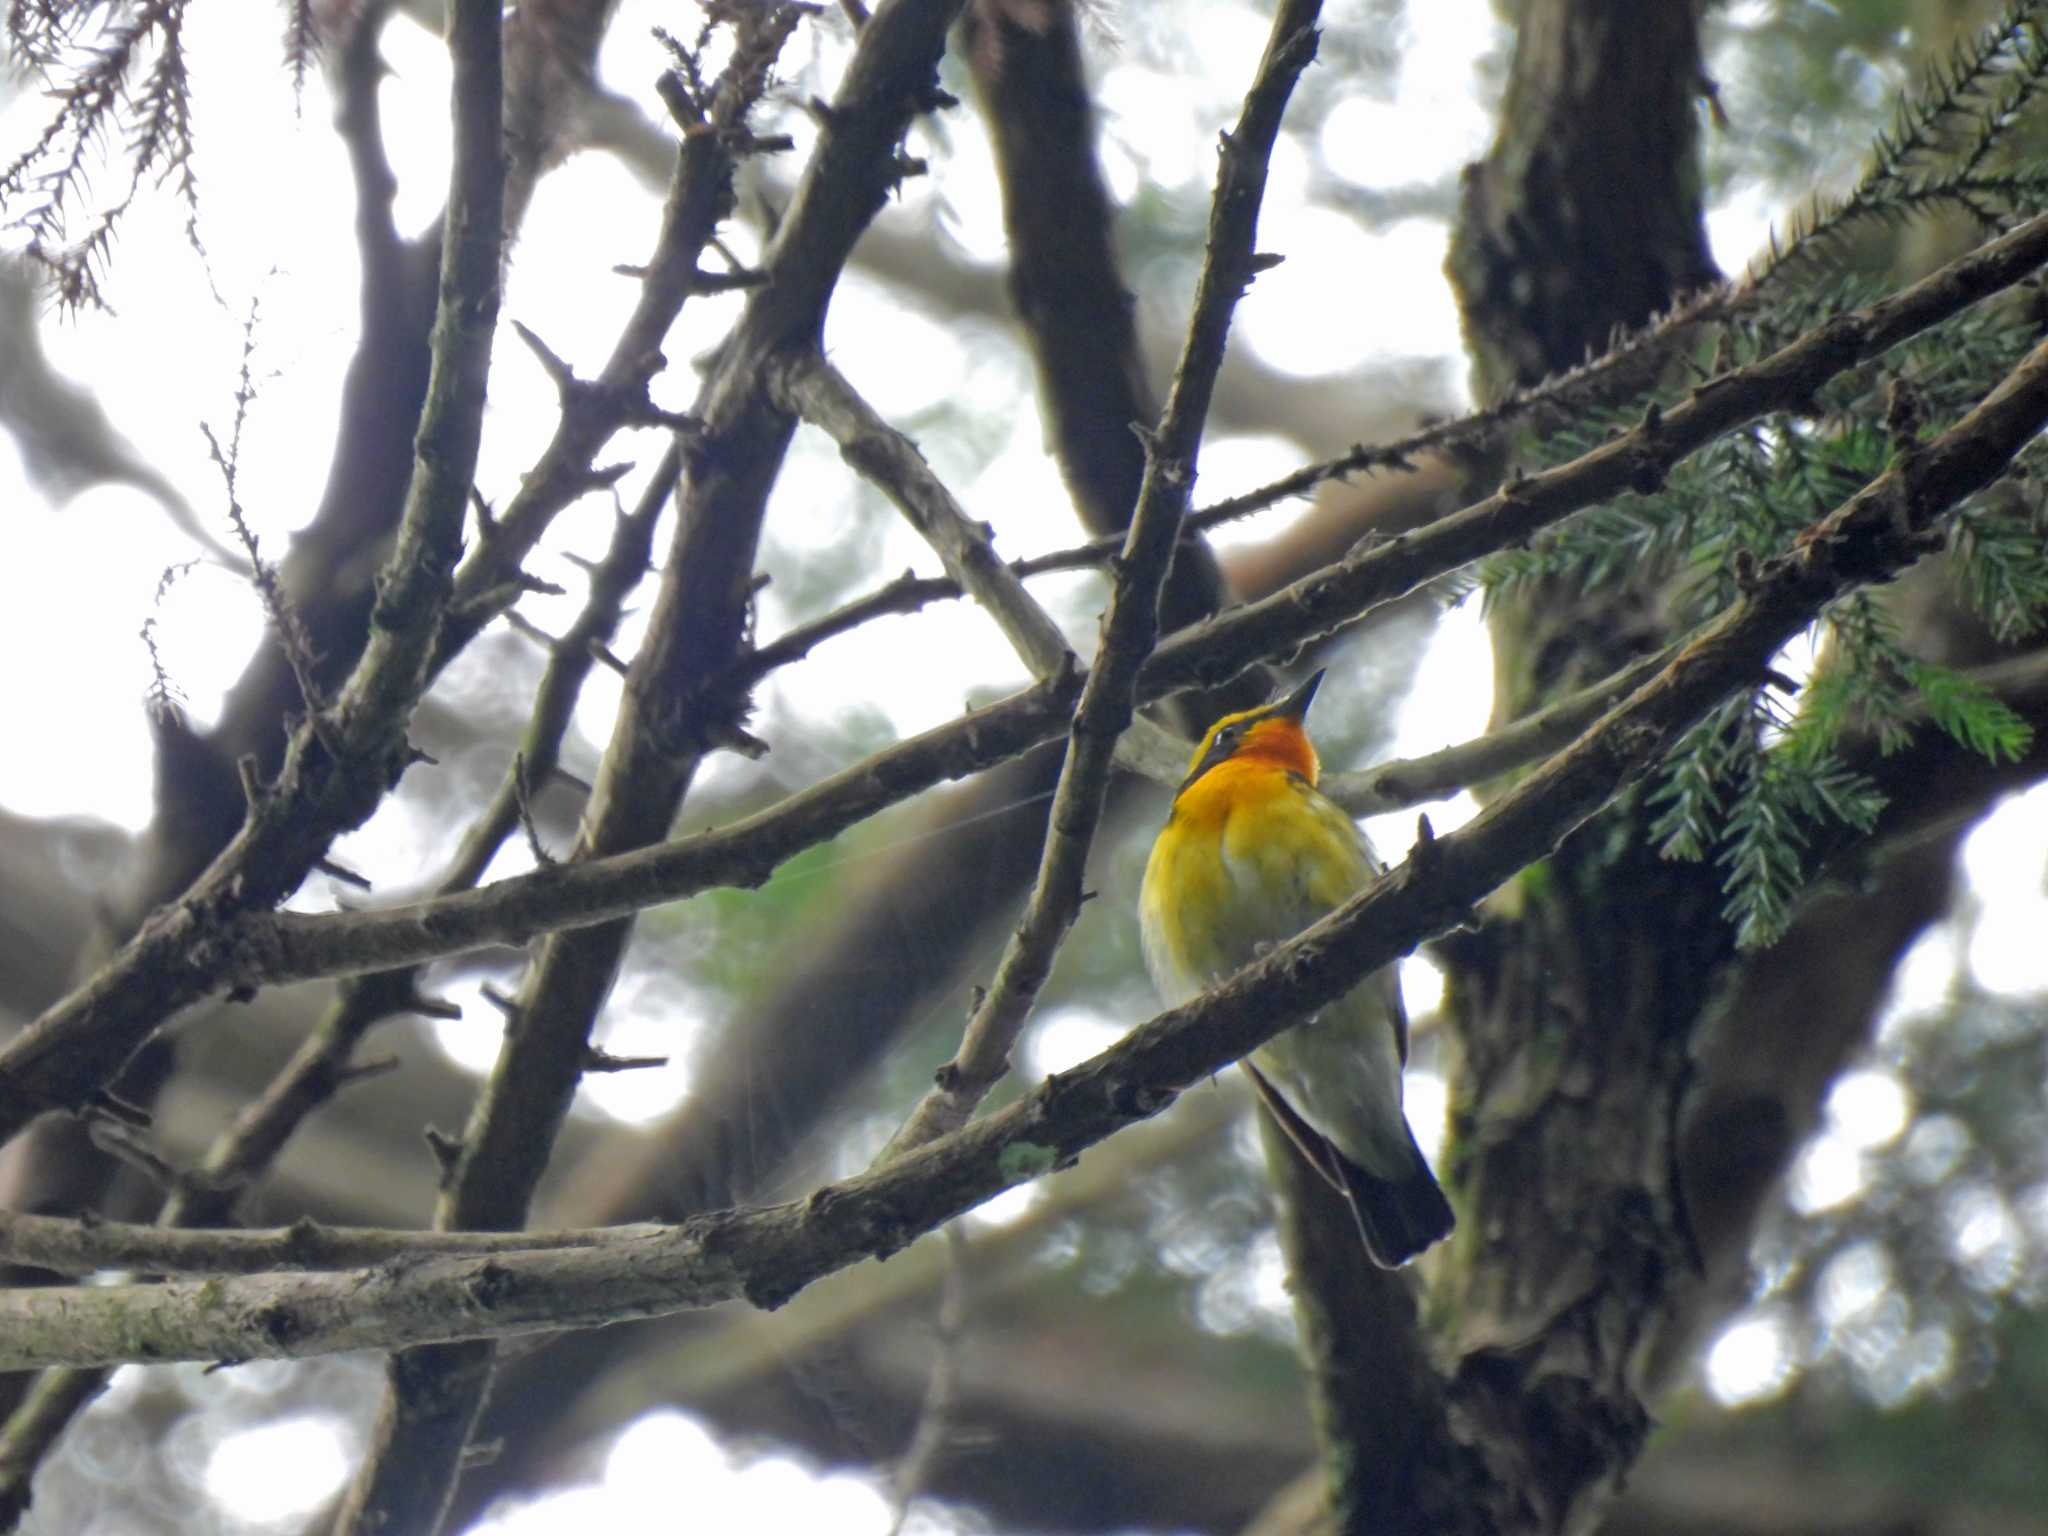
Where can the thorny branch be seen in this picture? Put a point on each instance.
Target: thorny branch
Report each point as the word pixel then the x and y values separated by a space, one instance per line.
pixel 670 719
pixel 766 1254
pixel 264 948
pixel 322 1063
pixel 342 760
pixel 1130 628
pixel 813 389
pixel 312 799
pixel 292 637
pixel 715 138
pixel 816 391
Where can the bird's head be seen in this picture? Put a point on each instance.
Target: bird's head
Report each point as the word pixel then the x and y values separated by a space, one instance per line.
pixel 1272 733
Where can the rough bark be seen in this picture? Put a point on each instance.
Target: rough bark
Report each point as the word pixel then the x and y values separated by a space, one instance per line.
pixel 1584 217
pixel 1614 1130
pixel 1573 1005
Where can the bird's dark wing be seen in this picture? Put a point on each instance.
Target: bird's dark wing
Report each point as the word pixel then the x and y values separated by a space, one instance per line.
pixel 1311 1143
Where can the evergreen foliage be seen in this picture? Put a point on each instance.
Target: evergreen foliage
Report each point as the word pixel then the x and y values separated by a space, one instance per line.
pixel 1752 786
pixel 117 72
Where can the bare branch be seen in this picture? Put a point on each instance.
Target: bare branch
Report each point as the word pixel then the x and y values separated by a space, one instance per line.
pixel 1324 603
pixel 82 1247
pixel 570 659
pixel 1130 629
pixel 1401 783
pixel 81 1040
pixel 906 594
pixel 812 388
pixel 672 718
pixel 818 392
pixel 935 1427
pixel 767 1254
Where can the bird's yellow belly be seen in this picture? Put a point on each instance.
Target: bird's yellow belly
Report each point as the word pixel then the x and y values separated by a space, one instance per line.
pixel 1227 881
pixel 1231 877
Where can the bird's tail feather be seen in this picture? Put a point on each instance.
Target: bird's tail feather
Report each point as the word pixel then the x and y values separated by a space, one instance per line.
pixel 1398 1217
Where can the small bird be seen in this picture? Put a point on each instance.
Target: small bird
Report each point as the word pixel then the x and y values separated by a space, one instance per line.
pixel 1251 854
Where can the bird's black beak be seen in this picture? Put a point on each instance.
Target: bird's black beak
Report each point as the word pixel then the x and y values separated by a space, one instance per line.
pixel 1296 704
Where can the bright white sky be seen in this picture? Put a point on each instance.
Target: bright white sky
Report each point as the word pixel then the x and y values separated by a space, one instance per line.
pixel 277 221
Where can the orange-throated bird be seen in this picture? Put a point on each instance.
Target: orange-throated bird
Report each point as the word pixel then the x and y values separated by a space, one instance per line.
pixel 1251 854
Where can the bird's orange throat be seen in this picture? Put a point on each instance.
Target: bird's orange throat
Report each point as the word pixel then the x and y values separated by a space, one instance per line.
pixel 1272 750
pixel 1283 745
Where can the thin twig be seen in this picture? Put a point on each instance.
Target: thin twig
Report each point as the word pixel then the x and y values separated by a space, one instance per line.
pixel 815 390
pixel 812 388
pixel 935 1428
pixel 904 595
pixel 289 628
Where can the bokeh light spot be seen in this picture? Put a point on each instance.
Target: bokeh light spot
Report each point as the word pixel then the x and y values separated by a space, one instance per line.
pixel 1750 1360
pixel 277 1472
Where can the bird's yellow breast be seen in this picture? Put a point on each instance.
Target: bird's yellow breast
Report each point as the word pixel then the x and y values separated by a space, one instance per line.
pixel 1250 855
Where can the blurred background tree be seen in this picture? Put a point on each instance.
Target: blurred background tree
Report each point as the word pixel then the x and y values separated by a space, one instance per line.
pixel 1788 1199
